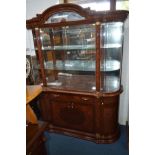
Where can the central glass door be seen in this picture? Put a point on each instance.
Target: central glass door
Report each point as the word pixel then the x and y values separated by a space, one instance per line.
pixel 69 57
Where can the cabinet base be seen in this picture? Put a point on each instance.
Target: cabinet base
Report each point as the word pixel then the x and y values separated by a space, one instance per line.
pixel 97 138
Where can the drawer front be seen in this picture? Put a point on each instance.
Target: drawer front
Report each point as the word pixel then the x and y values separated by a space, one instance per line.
pixel 73 115
pixel 71 98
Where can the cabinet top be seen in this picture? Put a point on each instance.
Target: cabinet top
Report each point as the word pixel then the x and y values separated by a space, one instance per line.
pixel 72 14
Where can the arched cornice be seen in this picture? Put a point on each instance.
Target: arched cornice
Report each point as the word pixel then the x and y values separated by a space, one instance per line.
pixel 89 15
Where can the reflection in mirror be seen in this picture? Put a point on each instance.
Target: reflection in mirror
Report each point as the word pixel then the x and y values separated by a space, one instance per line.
pixel 64 16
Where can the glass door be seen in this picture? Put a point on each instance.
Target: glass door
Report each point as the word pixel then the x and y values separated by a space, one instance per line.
pixel 111 56
pixel 69 57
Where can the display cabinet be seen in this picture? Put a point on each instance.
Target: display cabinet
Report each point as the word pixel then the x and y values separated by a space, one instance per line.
pixel 78 62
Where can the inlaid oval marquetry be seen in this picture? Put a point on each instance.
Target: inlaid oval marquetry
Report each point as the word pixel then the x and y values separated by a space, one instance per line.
pixel 72 115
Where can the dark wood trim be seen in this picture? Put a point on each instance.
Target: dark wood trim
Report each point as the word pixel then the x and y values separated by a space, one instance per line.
pixel 113 18
pixel 40 56
pixel 70 132
pixel 98 56
pixel 89 15
pixel 86 136
pixel 96 94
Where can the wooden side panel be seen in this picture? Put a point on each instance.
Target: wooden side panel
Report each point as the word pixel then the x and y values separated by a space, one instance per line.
pixel 109 115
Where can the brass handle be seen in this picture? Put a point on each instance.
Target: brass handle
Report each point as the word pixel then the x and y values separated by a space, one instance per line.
pixel 85 99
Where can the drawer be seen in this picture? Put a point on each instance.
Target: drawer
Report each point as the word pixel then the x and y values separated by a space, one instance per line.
pixel 71 98
pixel 73 115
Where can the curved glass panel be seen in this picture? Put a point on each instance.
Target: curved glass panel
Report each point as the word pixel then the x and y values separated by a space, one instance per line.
pixel 64 16
pixel 111 55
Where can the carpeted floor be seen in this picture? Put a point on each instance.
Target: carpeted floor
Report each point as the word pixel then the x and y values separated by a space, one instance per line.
pixel 63 145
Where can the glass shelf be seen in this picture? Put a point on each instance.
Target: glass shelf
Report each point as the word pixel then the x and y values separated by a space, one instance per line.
pixel 70 47
pixel 79 47
pixel 80 65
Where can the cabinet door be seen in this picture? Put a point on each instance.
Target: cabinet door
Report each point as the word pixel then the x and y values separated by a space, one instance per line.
pixel 73 115
pixel 109 115
pixel 69 55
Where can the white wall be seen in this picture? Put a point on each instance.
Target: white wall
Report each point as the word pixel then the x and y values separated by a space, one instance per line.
pixel 124 98
pixel 34 7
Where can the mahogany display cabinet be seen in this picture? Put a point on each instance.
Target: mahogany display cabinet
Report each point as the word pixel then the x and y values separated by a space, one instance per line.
pixel 78 62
